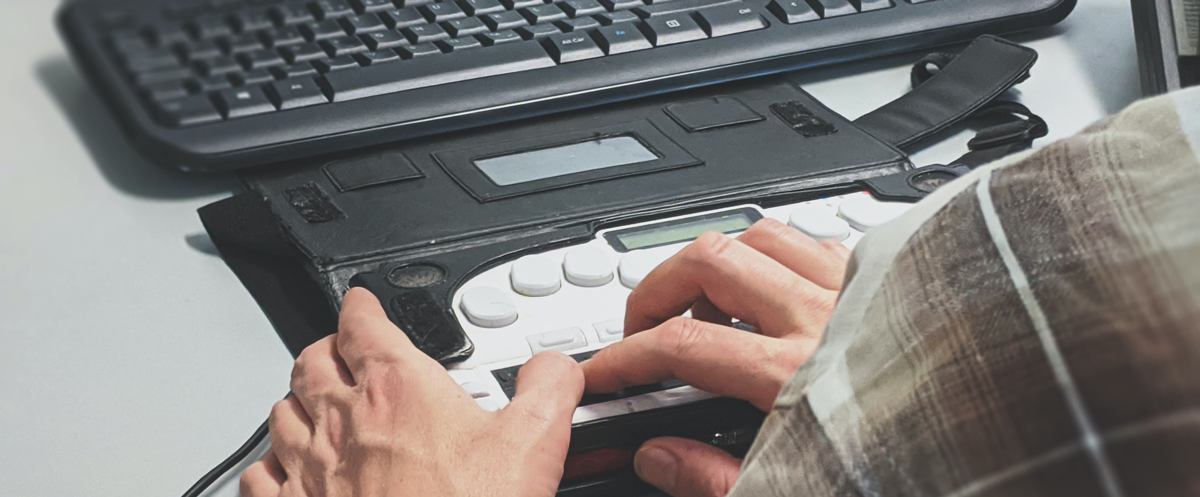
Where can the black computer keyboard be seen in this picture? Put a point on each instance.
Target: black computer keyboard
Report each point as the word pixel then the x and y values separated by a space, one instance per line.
pixel 222 84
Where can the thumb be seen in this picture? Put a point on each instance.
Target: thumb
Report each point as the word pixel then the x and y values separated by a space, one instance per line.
pixel 549 387
pixel 686 468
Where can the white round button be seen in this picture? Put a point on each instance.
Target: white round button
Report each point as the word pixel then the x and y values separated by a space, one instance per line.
pixel 587 266
pixel 535 276
pixel 818 223
pixel 636 265
pixel 488 307
pixel 864 212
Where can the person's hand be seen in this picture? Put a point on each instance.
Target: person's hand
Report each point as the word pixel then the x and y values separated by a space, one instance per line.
pixel 772 277
pixel 373 416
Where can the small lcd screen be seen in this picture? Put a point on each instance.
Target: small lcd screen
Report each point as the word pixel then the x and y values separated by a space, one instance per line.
pixel 683 230
pixel 568 159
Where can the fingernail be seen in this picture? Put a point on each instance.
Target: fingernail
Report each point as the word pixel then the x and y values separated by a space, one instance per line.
pixel 656 466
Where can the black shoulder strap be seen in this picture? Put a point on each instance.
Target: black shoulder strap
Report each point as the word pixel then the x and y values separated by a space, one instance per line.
pixel 948 89
pixel 962 85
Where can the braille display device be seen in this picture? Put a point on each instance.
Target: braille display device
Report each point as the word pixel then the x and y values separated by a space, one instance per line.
pixel 213 85
pixel 491 245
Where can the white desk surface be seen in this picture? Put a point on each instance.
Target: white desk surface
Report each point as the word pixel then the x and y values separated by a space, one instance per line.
pixel 132 360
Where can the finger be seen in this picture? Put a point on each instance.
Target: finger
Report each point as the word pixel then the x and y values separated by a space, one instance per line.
pixel 264 478
pixel 738 280
pixel 704 310
pixel 686 468
pixel 716 359
pixel 291 428
pixel 808 258
pixel 549 387
pixel 320 373
pixel 366 335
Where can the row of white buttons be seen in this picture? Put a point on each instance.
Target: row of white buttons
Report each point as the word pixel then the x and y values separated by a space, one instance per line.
pixel 860 212
pixel 589 266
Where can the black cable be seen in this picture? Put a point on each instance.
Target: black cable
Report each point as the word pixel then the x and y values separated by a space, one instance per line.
pixel 209 478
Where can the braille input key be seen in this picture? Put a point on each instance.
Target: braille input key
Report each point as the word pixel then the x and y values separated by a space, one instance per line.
pixel 431 71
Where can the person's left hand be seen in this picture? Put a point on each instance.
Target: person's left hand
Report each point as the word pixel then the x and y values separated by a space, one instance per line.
pixel 373 416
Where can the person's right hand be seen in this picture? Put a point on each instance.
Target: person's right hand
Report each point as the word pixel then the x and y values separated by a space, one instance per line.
pixel 780 281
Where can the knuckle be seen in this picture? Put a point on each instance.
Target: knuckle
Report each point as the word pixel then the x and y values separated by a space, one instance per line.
pixel 708 249
pixel 681 336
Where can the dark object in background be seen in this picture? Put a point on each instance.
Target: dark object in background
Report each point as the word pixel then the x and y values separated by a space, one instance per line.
pixel 204 85
pixel 1168 39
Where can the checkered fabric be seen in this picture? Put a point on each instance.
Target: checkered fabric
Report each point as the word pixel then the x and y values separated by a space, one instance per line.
pixel 1032 329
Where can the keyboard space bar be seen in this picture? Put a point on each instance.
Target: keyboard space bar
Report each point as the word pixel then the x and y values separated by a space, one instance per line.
pixel 435 70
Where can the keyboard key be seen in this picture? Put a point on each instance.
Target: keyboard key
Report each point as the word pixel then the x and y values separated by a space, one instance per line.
pixel 166 91
pixel 302 53
pixel 261 59
pixel 615 5
pixel 538 31
pixel 681 6
pixel 793 11
pixel 465 27
pixel 587 266
pixel 723 21
pixel 543 13
pixel 480 7
pixel 610 331
pixel 485 306
pixel 445 11
pixel 283 37
pixel 834 8
pixel 295 93
pixel 425 34
pixel 327 9
pixel 245 42
pixel 620 39
pixel 576 8
pixel 373 58
pixel 432 71
pixel 188 111
pixel 144 79
pixel 456 44
pixel 291 13
pixel 504 20
pixel 402 18
pixel 520 4
pixel 499 37
pixel 201 50
pixel 863 212
pixel 255 77
pixel 151 60
pixel 357 25
pixel 617 17
pixel 571 47
pixel 210 27
pixel 218 66
pixel 205 85
pixel 242 102
pixel 323 30
pixel 252 21
pixel 570 338
pixel 365 6
pixel 384 40
pixel 419 50
pixel 326 66
pixel 535 276
pixel 819 224
pixel 869 5
pixel 672 29
pixel 581 24
pixel 338 47
pixel 170 34
pixel 295 71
